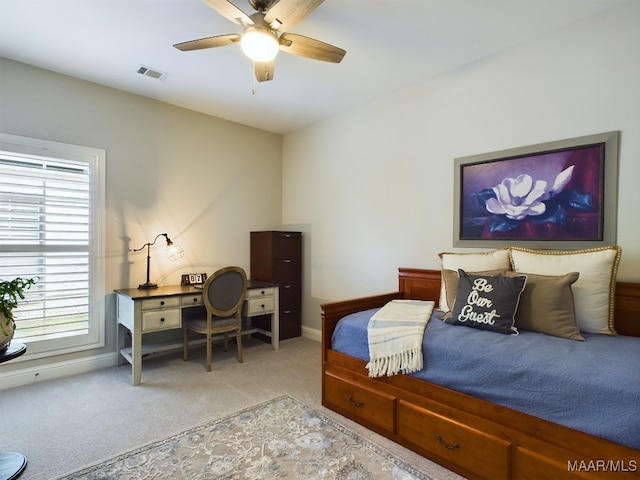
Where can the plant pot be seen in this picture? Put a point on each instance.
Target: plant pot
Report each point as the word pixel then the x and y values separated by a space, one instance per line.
pixel 6 332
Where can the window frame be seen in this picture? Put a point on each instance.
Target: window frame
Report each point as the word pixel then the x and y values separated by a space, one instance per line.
pixel 95 158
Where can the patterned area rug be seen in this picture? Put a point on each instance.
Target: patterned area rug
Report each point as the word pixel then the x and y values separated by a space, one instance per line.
pixel 281 438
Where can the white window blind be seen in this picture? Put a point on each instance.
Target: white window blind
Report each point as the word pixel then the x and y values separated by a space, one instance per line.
pixel 48 230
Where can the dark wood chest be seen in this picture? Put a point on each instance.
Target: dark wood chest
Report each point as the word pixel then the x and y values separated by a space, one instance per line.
pixel 276 256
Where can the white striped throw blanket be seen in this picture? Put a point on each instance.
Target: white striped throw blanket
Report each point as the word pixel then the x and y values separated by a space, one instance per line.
pixel 395 335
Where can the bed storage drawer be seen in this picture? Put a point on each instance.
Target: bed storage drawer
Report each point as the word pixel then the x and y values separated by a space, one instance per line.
pixel 530 465
pixel 359 401
pixel 484 455
pixel 560 464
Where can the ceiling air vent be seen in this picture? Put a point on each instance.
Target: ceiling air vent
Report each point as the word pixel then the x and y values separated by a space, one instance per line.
pixel 150 72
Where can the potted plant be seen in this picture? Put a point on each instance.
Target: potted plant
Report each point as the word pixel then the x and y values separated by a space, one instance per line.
pixel 11 292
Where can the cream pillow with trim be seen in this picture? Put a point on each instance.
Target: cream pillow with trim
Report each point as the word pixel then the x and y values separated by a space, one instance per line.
pixel 471 262
pixel 593 292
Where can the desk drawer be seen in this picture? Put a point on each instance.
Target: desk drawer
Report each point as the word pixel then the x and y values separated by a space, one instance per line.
pixel 478 452
pixel 160 302
pixel 260 306
pixel 160 320
pixel 260 292
pixel 191 300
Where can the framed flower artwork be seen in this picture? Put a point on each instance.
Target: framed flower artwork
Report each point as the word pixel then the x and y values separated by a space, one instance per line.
pixel 560 194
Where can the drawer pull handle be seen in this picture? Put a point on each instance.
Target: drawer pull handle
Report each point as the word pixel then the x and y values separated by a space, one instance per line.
pixel 195 300
pixel 288 286
pixel 455 446
pixel 286 260
pixel 162 302
pixel 162 319
pixel 354 403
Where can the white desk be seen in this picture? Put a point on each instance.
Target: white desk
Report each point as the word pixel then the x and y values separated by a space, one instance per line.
pixel 162 308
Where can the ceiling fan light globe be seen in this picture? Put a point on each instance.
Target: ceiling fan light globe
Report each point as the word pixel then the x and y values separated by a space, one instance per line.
pixel 259 44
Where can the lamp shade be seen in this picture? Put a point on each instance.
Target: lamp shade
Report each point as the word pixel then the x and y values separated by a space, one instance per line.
pixel 175 252
pixel 259 44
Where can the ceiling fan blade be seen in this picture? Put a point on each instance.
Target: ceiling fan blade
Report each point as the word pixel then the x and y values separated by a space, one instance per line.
pixel 264 70
pixel 209 42
pixel 287 13
pixel 229 11
pixel 310 48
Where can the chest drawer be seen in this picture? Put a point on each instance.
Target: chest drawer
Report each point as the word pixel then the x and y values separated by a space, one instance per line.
pixel 160 320
pixel 161 302
pixel 370 405
pixel 286 244
pixel 289 294
pixel 259 306
pixel 286 270
pixel 482 454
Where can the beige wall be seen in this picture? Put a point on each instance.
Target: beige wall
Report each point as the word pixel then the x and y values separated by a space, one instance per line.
pixel 373 186
pixel 206 182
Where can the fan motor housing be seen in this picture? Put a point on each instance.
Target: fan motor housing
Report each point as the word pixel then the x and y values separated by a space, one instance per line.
pixel 262 5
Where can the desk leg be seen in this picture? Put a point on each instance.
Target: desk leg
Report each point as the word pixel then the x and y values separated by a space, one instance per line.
pixel 120 338
pixel 136 356
pixel 275 321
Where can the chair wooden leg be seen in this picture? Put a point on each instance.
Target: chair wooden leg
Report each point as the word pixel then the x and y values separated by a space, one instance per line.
pixel 226 341
pixel 185 344
pixel 209 348
pixel 239 342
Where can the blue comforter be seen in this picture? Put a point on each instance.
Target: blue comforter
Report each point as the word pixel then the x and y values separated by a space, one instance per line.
pixel 591 386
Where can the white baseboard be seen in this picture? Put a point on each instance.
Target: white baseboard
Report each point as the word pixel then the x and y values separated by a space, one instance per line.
pixel 312 333
pixel 27 376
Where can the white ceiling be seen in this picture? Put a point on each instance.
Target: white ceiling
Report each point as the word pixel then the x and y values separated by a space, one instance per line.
pixel 390 44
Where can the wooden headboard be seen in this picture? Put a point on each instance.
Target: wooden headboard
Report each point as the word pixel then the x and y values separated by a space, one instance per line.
pixel 425 285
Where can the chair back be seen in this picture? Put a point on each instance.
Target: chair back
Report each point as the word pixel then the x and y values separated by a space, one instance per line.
pixel 224 291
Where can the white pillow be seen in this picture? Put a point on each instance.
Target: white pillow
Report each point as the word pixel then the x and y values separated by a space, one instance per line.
pixel 471 262
pixel 593 292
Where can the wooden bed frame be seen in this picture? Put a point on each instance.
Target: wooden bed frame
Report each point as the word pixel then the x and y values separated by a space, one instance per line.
pixel 473 437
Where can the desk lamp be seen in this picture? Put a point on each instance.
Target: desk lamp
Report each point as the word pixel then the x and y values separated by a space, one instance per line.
pixel 173 254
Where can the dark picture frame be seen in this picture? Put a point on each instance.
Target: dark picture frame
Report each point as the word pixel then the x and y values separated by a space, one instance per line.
pixel 555 195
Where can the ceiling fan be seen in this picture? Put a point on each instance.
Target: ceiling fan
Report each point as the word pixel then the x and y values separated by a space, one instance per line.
pixel 261 38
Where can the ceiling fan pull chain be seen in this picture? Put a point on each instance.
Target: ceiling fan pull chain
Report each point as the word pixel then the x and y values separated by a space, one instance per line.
pixel 254 82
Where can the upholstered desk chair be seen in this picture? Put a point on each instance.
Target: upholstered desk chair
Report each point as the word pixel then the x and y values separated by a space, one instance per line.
pixel 223 294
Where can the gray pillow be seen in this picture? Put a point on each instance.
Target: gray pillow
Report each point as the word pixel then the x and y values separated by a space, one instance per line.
pixel 547 306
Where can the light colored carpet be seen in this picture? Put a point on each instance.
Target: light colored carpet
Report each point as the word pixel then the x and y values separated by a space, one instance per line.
pixel 67 424
pixel 276 439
